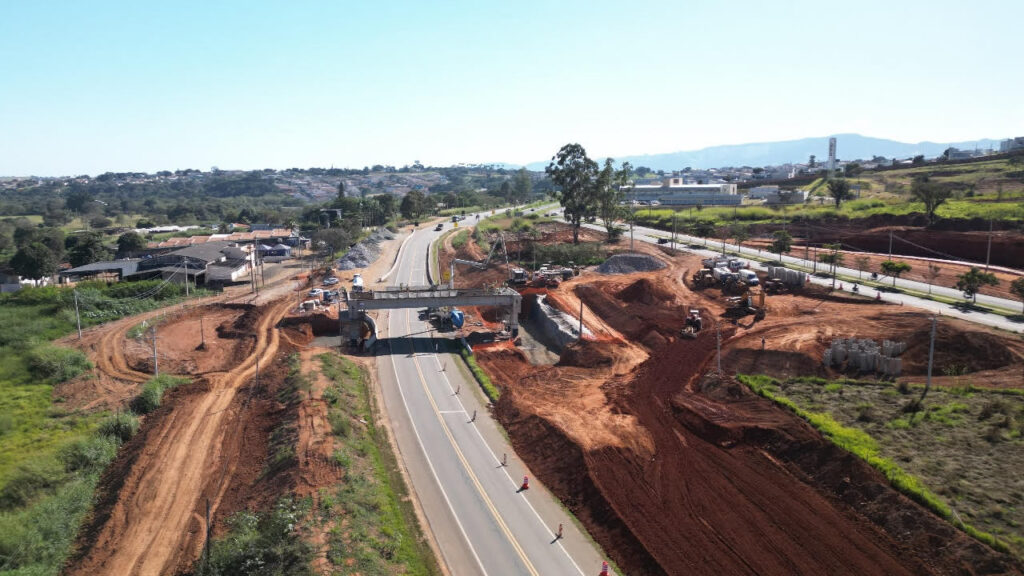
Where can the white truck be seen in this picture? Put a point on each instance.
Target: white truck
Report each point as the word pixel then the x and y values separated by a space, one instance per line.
pixel 749 277
pixel 357 283
pixel 724 275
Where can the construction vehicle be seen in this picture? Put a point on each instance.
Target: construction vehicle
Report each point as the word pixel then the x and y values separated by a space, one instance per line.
pixel 518 277
pixel 357 283
pixel 703 278
pixel 774 286
pixel 457 317
pixel 751 304
pixel 482 265
pixel 693 325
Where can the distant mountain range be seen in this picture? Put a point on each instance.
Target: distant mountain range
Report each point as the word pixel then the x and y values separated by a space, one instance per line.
pixel 848 147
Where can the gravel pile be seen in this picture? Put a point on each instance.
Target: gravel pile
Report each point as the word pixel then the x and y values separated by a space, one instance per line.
pixel 365 252
pixel 629 263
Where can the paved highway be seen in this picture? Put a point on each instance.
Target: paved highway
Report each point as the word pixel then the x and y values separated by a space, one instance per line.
pixel 480 520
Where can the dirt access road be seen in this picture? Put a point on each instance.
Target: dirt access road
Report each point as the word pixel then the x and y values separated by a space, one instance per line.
pixel 155 526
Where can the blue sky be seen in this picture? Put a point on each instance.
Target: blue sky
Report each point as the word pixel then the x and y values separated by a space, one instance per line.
pixel 87 87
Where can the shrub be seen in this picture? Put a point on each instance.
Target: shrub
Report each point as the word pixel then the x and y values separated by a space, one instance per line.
pixel 29 479
pixel 460 239
pixel 89 454
pixel 56 364
pixel 121 426
pixel 153 392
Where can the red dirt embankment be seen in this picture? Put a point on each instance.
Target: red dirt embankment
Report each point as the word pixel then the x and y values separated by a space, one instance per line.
pixel 676 472
pixel 723 482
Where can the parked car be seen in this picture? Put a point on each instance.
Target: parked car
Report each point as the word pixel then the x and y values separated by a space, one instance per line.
pixel 331 281
pixel 316 291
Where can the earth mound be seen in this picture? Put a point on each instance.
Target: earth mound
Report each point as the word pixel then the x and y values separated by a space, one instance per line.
pixel 629 263
pixel 644 291
pixel 586 354
pixel 963 351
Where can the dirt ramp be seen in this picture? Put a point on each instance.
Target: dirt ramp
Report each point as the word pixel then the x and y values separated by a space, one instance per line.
pixel 587 354
pixel 562 466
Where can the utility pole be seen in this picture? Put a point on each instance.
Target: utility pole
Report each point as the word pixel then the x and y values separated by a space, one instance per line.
pixel 202 334
pixel 186 279
pixel 156 366
pixel 581 319
pixel 78 318
pixel 673 230
pixel 988 251
pixel 890 245
pixel 807 242
pixel 931 356
pixel 718 347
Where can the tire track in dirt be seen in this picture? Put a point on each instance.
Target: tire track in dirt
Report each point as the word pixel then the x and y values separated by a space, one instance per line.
pixel 152 527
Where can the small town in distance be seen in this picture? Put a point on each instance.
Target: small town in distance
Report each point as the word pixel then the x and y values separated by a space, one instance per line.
pixel 478 290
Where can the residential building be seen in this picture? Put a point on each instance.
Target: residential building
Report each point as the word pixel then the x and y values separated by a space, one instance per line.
pixel 1012 144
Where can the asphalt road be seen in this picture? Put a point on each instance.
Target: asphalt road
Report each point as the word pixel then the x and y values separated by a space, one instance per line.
pixel 481 521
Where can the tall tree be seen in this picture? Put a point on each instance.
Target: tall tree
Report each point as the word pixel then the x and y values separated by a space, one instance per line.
pixel 609 197
pixel 386 204
pixel 782 242
pixel 522 185
pixel 971 281
pixel 931 194
pixel 130 242
pixel 341 189
pixel 839 189
pixel 505 191
pixel 413 204
pixel 34 261
pixel 574 173
pixel 88 249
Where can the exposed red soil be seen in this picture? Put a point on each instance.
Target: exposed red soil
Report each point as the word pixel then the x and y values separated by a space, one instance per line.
pixel 675 472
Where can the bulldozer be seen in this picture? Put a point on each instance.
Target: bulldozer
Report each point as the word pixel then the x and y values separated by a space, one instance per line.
pixel 693 325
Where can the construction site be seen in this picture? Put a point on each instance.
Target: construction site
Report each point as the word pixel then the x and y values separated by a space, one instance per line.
pixel 619 391
pixel 633 415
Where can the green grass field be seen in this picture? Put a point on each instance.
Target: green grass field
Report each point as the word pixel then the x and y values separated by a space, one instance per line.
pixel 51 457
pixel 960 456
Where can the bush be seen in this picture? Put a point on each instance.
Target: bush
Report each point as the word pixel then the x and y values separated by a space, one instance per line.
pixel 269 543
pixel 153 392
pixel 485 381
pixel 460 239
pixel 29 479
pixel 121 426
pixel 89 454
pixel 49 362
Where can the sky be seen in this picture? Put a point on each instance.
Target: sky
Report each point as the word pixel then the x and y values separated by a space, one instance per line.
pixel 91 87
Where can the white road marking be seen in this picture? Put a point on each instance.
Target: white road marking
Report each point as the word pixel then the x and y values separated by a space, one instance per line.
pixel 430 463
pixel 509 476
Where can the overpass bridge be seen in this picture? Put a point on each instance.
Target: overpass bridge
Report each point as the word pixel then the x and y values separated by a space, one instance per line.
pixel 397 297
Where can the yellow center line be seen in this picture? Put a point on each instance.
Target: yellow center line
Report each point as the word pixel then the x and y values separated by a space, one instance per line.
pixel 465 463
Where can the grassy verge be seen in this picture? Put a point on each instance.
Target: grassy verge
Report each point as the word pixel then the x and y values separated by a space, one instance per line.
pixel 958 453
pixel 51 457
pixel 482 378
pixel 460 239
pixel 372 524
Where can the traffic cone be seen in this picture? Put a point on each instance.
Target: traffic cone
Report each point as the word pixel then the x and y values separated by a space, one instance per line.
pixel 604 569
pixel 840 285
pixel 526 483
